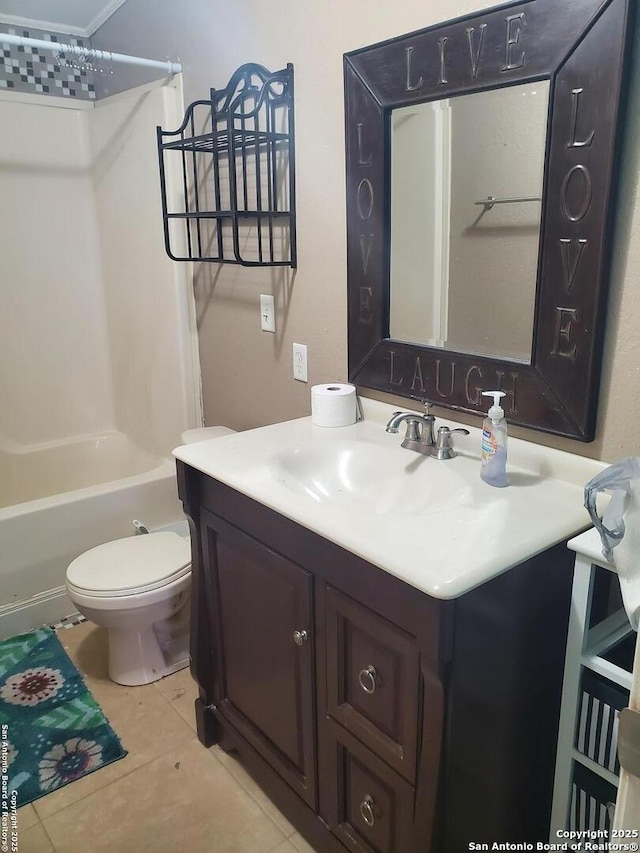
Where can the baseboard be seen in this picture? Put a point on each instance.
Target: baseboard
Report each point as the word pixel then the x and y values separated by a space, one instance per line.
pixel 46 608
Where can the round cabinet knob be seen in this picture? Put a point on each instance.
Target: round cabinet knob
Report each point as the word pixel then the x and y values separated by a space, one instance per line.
pixel 366 810
pixel 300 637
pixel 367 678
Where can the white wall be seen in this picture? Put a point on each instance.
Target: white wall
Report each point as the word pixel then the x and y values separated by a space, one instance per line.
pixel 419 216
pixel 55 376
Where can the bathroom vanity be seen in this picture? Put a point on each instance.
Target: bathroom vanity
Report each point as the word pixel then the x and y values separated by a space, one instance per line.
pixel 389 675
pixel 379 635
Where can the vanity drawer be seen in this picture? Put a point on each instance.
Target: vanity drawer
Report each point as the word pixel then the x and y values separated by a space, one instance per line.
pixel 370 808
pixel 373 680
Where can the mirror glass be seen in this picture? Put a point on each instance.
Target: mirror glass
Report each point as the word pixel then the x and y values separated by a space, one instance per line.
pixel 466 191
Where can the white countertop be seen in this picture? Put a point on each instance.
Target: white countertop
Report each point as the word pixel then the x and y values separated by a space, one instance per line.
pixel 444 547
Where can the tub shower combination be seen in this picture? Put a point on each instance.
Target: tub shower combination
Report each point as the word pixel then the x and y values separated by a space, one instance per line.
pixel 57 501
pixel 99 370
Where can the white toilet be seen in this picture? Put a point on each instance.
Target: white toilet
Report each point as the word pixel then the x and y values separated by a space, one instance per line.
pixel 138 588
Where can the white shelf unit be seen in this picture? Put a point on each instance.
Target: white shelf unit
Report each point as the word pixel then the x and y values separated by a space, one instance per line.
pixel 588 729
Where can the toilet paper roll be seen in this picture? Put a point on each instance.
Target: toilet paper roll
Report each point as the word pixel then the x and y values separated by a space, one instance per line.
pixel 333 405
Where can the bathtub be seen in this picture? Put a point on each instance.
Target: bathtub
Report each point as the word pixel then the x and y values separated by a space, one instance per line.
pixel 60 499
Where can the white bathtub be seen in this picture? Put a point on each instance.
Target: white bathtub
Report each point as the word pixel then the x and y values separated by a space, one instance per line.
pixel 58 500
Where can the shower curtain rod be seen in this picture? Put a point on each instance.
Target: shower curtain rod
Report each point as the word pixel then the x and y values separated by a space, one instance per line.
pixel 90 53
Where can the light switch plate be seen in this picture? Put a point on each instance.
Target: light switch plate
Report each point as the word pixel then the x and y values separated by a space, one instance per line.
pixel 267 313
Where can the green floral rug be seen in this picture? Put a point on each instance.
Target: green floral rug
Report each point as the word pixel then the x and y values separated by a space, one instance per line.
pixel 52 732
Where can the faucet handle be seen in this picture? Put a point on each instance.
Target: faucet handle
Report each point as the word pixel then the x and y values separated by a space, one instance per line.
pixel 445 433
pixel 444 447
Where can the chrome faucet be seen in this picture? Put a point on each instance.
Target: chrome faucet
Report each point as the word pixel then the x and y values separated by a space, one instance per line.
pixel 420 432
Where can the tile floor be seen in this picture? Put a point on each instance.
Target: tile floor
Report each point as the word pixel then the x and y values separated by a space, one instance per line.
pixel 168 794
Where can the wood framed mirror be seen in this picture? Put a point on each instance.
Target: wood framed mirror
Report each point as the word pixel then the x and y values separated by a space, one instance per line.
pixel 577 52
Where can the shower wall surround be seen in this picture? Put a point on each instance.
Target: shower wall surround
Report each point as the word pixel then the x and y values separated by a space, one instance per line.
pixel 28 69
pixel 100 340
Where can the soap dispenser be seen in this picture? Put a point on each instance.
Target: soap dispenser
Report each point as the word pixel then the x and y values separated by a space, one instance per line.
pixel 494 443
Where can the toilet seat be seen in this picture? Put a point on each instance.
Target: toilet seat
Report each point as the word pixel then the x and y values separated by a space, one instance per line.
pixel 137 564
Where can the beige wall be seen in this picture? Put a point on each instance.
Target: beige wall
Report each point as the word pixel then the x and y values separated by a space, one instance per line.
pixel 247 373
pixel 497 149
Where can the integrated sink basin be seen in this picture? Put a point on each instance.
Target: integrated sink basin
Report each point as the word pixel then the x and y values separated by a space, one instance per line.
pixel 365 476
pixel 432 523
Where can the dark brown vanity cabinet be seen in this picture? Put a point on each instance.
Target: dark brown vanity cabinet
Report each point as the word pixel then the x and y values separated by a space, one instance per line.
pixel 377 718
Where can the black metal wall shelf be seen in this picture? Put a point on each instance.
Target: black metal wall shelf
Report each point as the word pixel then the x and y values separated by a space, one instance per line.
pixel 235 156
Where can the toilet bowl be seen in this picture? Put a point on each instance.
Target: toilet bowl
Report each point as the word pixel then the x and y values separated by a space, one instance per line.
pixel 138 588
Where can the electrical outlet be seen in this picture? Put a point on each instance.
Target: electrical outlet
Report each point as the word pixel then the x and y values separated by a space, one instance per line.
pixel 300 362
pixel 267 313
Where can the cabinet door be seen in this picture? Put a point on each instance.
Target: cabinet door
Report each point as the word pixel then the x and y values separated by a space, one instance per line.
pixel 264 651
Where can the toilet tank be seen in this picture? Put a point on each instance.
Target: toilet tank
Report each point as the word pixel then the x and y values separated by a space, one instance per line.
pixel 191 436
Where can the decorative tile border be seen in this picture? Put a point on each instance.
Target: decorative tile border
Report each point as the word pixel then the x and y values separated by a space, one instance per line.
pixel 27 69
pixel 68 622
